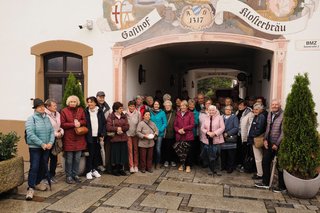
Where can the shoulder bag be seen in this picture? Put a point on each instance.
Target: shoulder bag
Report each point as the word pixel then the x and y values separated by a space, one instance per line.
pixel 258 141
pixel 111 134
pixel 82 130
pixel 155 136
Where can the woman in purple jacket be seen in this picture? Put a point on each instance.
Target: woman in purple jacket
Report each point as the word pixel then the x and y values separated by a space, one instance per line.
pixel 183 126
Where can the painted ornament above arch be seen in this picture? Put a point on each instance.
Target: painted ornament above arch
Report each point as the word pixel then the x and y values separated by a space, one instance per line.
pixel 124 20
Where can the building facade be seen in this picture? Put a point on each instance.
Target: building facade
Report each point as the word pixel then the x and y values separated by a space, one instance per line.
pixel 130 47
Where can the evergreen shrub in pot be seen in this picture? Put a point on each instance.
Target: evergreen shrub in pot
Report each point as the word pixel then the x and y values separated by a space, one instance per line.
pixel 11 167
pixel 299 153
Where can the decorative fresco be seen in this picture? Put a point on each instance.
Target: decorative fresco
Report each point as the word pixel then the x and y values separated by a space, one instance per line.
pixel 142 19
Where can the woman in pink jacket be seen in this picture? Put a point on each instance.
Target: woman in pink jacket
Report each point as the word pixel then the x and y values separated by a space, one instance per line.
pixel 213 127
pixel 183 126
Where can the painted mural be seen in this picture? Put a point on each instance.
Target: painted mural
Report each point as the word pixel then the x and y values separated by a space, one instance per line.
pixel 142 19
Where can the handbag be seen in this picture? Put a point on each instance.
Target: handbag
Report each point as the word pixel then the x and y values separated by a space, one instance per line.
pixel 231 139
pixel 82 130
pixel 57 147
pixel 111 134
pixel 258 141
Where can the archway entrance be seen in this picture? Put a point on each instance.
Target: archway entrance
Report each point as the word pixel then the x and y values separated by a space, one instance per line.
pixel 169 61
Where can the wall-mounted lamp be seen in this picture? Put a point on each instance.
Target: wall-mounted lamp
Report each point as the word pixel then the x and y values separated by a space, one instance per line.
pixel 141 74
pixel 88 25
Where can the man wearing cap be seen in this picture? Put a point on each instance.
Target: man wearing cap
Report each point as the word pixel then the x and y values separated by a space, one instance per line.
pixel 104 106
pixel 40 137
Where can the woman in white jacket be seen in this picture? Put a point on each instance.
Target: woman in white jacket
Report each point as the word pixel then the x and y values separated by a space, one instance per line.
pixel 244 124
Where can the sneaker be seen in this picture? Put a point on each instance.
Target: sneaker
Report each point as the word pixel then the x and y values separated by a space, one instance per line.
pixel 279 190
pixel 89 176
pixel 166 164
pixel 150 170
pixel 101 168
pixel 53 180
pixel 77 179
pixel 173 164
pixel 180 168
pixel 210 172
pixel 240 169
pixel 132 170
pixel 188 169
pixel 96 174
pixel 143 171
pixel 136 169
pixel 256 177
pixel 29 195
pixel 261 185
pixel 70 180
pixel 41 187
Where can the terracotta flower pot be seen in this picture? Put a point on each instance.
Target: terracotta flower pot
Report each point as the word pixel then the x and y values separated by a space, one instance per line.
pixel 301 188
pixel 11 173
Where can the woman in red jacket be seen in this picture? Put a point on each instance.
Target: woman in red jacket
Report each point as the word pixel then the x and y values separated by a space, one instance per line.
pixel 72 117
pixel 117 123
pixel 183 126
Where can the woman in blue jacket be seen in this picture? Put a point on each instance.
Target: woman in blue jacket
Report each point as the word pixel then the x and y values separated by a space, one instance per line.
pixel 40 137
pixel 158 116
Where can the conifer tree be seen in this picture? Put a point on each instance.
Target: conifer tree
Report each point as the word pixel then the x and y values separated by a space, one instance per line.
pixel 300 150
pixel 73 87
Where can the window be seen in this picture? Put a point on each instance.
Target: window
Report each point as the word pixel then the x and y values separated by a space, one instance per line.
pixel 57 67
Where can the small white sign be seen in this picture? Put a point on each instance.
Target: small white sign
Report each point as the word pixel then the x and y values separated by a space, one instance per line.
pixel 309 44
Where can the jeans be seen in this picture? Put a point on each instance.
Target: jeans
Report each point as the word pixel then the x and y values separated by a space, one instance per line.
pixel 38 166
pixel 157 157
pixel 72 162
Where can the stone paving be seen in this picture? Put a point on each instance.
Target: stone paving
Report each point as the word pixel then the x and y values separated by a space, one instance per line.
pixel 163 191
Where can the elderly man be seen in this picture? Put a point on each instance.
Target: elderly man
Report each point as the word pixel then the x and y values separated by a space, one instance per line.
pixel 272 140
pixel 104 160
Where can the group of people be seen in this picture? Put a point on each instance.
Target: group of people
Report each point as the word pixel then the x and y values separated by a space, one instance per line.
pixel 152 132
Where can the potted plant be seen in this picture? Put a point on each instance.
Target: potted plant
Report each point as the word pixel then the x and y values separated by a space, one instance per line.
pixel 299 153
pixel 11 166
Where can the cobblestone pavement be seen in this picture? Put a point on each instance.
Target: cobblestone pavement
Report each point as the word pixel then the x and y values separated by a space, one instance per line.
pixel 163 191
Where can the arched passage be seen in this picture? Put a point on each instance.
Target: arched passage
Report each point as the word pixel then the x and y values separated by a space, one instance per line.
pixel 277 48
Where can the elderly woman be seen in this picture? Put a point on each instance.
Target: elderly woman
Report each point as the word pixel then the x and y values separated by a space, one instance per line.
pixel 229 148
pixel 257 128
pixel 146 131
pixel 169 155
pixel 96 124
pixel 159 118
pixel 73 117
pixel 134 118
pixel 117 123
pixel 213 128
pixel 183 125
pixel 40 137
pixel 54 116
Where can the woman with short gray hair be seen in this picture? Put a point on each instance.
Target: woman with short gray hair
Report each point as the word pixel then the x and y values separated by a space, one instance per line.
pixel 169 155
pixel 257 128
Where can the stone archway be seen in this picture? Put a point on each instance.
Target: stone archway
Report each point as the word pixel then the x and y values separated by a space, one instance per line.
pixel 277 46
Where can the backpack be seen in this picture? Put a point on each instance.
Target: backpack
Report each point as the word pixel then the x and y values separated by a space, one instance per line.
pixel 25 131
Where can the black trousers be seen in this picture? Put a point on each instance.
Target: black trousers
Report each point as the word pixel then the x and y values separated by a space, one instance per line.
pixel 268 156
pixel 53 164
pixel 168 153
pixel 228 157
pixel 94 153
